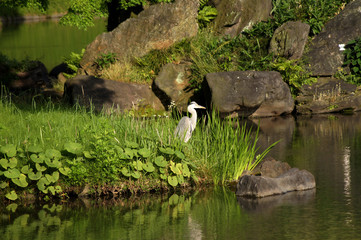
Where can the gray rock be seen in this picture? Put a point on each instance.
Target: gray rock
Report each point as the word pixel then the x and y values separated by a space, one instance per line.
pixel 289 40
pixel 235 16
pixel 157 27
pixel 329 95
pixel 259 186
pixel 173 81
pixel 325 56
pixel 269 167
pixel 108 94
pixel 250 93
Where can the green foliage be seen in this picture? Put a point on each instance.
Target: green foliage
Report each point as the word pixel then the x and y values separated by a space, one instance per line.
pixel 105 60
pixel 73 63
pixel 353 59
pixel 22 169
pixel 226 148
pixel 293 74
pixel 81 13
pixel 205 15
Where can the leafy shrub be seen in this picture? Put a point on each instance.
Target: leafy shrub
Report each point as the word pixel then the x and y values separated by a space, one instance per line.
pixel 105 60
pixel 353 58
pixel 73 63
pixel 293 74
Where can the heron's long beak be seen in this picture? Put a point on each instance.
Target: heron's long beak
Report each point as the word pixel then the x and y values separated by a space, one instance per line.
pixel 201 107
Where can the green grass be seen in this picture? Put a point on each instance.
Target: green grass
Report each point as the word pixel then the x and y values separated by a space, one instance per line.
pixel 218 151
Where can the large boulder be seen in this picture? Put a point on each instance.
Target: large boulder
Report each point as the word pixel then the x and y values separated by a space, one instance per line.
pixel 250 93
pixel 325 56
pixel 172 84
pixel 157 27
pixel 260 186
pixel 289 40
pixel 35 78
pixel 235 16
pixel 107 94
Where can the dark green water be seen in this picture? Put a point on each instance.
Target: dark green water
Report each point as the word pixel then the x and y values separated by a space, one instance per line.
pixel 48 41
pixel 328 146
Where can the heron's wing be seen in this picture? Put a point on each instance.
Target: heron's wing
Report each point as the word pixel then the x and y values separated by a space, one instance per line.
pixel 184 129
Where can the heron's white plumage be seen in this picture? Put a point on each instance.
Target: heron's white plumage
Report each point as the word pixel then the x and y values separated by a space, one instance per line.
pixel 187 125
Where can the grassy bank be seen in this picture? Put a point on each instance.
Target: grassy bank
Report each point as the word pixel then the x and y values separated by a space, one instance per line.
pixel 46 148
pixel 51 8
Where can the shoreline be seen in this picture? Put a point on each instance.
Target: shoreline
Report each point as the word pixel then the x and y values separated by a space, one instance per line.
pixel 29 18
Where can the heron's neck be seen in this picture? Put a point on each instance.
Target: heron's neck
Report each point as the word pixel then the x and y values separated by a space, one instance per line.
pixel 193 113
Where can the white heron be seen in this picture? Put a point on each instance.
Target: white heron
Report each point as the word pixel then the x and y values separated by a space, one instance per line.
pixel 187 125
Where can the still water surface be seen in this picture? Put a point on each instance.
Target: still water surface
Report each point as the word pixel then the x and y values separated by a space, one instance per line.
pixel 47 41
pixel 329 146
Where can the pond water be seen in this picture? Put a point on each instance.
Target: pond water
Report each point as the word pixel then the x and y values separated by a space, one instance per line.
pixel 329 146
pixel 47 41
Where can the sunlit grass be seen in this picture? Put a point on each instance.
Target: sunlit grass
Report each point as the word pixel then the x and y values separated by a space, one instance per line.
pixel 219 149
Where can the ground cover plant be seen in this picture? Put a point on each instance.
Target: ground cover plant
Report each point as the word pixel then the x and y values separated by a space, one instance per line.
pixel 46 148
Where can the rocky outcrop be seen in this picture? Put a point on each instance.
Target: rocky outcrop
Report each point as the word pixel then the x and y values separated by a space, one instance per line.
pixel 260 186
pixel 107 94
pixel 329 95
pixel 234 16
pixel 172 85
pixel 250 93
pixel 325 56
pixel 289 40
pixel 157 27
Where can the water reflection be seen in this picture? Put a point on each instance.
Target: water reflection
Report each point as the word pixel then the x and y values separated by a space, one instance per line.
pixel 266 205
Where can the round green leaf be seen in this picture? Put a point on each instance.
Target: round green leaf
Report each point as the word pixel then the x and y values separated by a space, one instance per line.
pixel 12 195
pixel 138 165
pixel 148 167
pixel 52 154
pixel 26 169
pixel 21 181
pixel 167 150
pixel 125 172
pixel 74 148
pixel 179 154
pixel 35 149
pixel 180 179
pixel 4 184
pixel 4 163
pixel 144 152
pixel 185 170
pixel 173 181
pixel 175 168
pixel 12 173
pixel 12 207
pixel 13 162
pixel 33 176
pixel 135 174
pixel 40 168
pixel 9 150
pixel 37 158
pixel 131 144
pixel 64 170
pixel 163 176
pixel 160 162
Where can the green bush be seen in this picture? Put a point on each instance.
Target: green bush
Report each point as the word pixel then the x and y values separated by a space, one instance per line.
pixel 353 59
